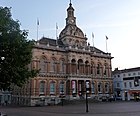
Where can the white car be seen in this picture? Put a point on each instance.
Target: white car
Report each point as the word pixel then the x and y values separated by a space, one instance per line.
pixel 2 114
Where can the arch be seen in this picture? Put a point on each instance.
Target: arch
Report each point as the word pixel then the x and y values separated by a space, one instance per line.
pixel 80 67
pixel 73 66
pixel 87 67
pixel 99 66
pixel 73 61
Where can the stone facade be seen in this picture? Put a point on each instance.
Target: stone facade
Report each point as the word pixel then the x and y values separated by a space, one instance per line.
pixel 69 67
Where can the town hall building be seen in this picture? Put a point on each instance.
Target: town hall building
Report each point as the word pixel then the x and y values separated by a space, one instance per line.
pixel 68 67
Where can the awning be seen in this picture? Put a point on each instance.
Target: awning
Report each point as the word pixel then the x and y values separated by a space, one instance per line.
pixel 134 91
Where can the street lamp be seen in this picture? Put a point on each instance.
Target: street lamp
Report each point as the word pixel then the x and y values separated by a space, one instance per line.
pixel 86 101
pixel 62 92
pixel 87 91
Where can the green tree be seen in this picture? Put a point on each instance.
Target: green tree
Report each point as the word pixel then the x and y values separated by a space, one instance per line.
pixel 15 52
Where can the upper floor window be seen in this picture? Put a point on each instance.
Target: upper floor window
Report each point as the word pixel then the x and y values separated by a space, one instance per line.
pixel 92 69
pixel 118 84
pixel 130 84
pixel 125 85
pixel 43 65
pixel 105 70
pixel 62 66
pixel 129 74
pixel 53 66
pixel 98 69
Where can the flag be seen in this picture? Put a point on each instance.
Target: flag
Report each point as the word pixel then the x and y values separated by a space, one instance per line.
pixel 56 26
pixel 37 22
pixel 106 38
pixel 93 39
pixel 92 35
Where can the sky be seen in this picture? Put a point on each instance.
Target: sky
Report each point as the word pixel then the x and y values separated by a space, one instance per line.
pixel 119 20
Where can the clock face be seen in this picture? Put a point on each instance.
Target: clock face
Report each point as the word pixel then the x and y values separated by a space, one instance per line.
pixel 71 21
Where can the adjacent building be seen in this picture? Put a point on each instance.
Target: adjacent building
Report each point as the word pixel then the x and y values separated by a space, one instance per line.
pixel 69 67
pixel 127 83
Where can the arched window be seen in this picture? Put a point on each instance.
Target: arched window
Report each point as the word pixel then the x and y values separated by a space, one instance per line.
pixel 107 88
pixel 98 69
pixel 52 87
pixel 105 70
pixel 62 66
pixel 43 64
pixel 53 65
pixel 87 67
pixel 73 66
pixel 99 87
pixel 92 68
pixel 80 68
pixel 42 87
pixel 61 88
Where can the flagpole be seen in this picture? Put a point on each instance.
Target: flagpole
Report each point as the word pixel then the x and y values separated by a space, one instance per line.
pixel 37 28
pixel 56 33
pixel 93 40
pixel 56 30
pixel 106 44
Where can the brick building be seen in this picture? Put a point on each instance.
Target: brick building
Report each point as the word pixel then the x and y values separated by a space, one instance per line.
pixel 68 66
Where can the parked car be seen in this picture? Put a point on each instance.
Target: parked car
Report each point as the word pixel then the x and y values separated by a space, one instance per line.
pixel 2 114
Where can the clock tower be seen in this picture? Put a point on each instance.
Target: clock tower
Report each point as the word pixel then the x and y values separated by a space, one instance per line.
pixel 72 35
pixel 70 15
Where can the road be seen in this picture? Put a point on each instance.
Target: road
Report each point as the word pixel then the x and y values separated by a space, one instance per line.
pixel 95 109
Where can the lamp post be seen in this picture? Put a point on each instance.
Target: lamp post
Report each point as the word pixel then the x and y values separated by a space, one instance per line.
pixel 86 102
pixel 62 93
pixel 87 91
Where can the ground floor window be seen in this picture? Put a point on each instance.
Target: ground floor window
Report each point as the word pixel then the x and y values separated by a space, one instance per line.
pixel 52 87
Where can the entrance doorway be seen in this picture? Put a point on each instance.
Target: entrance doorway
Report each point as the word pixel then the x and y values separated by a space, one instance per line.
pixel 81 88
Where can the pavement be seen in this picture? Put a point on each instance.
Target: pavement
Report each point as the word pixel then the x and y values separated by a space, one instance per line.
pixel 95 109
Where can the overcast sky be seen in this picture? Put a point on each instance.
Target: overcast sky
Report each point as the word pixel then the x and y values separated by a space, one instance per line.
pixel 119 20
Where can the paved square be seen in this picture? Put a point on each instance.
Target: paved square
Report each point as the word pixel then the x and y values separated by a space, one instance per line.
pixel 95 109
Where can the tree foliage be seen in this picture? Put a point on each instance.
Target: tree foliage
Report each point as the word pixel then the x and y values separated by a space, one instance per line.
pixel 15 52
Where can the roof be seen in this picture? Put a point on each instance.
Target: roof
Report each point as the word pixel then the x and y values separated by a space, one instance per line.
pixel 116 71
pixel 50 41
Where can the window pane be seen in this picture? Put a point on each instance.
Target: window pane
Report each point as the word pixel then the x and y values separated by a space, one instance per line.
pixel 52 88
pixel 42 87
